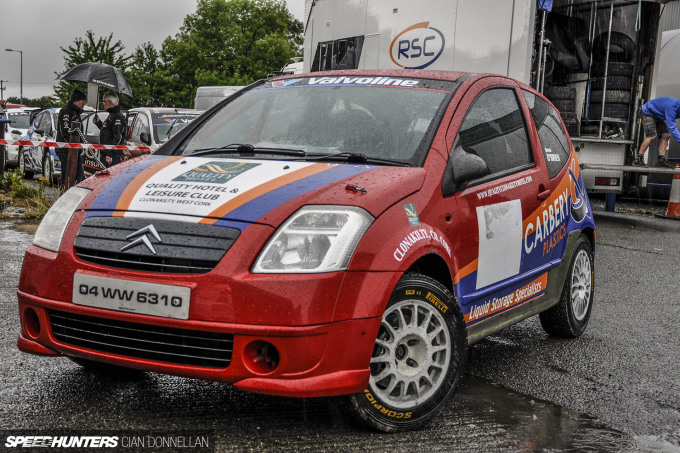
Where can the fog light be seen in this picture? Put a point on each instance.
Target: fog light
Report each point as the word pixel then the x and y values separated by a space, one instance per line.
pixel 261 357
pixel 32 323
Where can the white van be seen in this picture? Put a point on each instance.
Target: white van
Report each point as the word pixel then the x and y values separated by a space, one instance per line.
pixel 206 97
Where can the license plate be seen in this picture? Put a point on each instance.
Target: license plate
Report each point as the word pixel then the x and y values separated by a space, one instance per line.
pixel 131 296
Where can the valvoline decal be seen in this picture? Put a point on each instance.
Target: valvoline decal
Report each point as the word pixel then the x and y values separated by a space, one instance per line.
pixel 417 47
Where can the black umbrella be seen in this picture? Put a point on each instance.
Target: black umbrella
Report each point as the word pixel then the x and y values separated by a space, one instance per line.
pixel 100 74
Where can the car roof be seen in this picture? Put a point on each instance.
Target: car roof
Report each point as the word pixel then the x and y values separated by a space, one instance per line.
pixel 164 110
pixel 410 73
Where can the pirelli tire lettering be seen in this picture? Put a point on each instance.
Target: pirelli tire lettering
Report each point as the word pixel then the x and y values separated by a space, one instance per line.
pixel 418 358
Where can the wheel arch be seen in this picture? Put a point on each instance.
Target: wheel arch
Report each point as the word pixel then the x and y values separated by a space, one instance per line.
pixel 590 234
pixel 434 266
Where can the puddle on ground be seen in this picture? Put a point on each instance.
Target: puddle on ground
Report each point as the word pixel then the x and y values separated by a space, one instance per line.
pixel 542 426
pixel 26 227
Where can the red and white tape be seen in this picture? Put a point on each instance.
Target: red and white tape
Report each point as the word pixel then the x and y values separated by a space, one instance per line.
pixel 74 145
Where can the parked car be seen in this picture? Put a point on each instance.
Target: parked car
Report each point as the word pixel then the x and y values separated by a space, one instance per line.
pixel 33 159
pixel 336 233
pixel 153 126
pixel 20 118
pixel 206 97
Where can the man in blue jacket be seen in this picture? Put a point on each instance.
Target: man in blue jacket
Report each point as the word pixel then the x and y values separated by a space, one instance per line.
pixel 658 119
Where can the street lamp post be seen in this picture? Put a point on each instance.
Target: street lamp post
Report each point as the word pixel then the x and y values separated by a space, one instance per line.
pixel 21 73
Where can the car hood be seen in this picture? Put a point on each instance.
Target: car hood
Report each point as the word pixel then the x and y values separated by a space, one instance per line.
pixel 225 191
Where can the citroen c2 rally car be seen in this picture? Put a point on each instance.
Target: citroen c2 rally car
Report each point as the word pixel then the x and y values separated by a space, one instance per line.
pixel 335 233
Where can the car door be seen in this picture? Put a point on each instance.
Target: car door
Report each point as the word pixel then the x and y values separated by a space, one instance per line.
pixel 491 133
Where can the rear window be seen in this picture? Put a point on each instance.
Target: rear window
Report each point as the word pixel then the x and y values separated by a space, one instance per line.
pixel 165 125
pixel 380 117
pixel 20 120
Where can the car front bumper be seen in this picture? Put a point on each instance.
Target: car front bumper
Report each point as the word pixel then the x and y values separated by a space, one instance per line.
pixel 303 335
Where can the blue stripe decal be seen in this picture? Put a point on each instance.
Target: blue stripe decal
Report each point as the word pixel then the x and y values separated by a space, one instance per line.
pixel 110 194
pixel 257 208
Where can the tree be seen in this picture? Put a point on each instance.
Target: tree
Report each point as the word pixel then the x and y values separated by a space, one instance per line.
pixel 142 78
pixel 90 49
pixel 231 42
pixel 42 102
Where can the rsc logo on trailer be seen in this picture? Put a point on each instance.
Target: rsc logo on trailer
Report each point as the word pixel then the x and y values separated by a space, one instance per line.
pixel 417 47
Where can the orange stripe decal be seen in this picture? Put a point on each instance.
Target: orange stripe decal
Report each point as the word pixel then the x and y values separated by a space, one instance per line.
pixel 465 271
pixel 131 190
pixel 262 189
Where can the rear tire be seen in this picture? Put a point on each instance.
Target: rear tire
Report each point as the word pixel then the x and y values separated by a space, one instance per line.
pixel 418 359
pixel 569 318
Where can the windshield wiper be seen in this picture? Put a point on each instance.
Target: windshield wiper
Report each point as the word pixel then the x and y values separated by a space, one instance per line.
pixel 358 158
pixel 245 148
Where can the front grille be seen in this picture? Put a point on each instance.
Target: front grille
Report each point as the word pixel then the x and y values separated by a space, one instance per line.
pixel 184 248
pixel 143 341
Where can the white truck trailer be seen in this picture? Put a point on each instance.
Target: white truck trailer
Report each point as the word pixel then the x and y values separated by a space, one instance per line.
pixel 593 58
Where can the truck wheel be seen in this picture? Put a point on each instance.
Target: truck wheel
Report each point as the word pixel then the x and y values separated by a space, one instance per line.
pixel 569 318
pixel 418 359
pixel 621 49
pixel 28 174
pixel 569 117
pixel 564 105
pixel 613 97
pixel 613 83
pixel 610 111
pixel 554 93
pixel 614 69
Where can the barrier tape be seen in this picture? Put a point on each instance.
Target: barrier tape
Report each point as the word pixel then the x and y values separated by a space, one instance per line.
pixel 74 145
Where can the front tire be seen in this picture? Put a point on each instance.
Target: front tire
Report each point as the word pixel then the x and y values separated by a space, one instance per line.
pixel 418 359
pixel 569 318
pixel 22 166
pixel 48 168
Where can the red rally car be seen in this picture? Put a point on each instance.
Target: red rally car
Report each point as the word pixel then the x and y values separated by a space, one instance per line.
pixel 335 233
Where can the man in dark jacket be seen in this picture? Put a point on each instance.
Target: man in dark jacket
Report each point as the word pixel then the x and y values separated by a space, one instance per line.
pixel 112 129
pixel 67 115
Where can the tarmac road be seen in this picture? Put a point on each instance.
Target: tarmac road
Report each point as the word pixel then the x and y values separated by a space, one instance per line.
pixel 614 389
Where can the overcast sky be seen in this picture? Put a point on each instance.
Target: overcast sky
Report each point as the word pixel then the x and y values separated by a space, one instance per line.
pixel 40 28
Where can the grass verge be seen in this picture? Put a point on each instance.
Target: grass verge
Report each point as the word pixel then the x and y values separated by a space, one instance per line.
pixel 14 191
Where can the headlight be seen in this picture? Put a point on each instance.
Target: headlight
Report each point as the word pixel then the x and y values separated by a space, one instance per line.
pixel 314 239
pixel 53 225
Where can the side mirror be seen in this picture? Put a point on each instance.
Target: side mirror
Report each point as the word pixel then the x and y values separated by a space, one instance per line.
pixel 39 131
pixel 467 167
pixel 145 138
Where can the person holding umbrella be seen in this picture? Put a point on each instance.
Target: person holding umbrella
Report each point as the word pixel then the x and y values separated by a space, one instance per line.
pixel 69 114
pixel 112 129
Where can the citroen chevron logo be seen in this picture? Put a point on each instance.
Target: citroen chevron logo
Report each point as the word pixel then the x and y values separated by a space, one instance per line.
pixel 142 238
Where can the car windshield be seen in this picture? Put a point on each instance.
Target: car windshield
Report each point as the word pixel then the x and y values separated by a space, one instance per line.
pixel 165 125
pixel 20 120
pixel 376 117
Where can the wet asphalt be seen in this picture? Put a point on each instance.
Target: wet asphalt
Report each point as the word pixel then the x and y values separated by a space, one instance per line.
pixel 617 388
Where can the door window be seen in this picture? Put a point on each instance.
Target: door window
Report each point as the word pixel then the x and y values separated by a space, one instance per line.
pixel 550 132
pixel 140 125
pixel 494 129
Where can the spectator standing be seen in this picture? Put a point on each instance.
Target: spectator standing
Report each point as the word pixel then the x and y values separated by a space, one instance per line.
pixel 67 115
pixel 658 119
pixel 112 129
